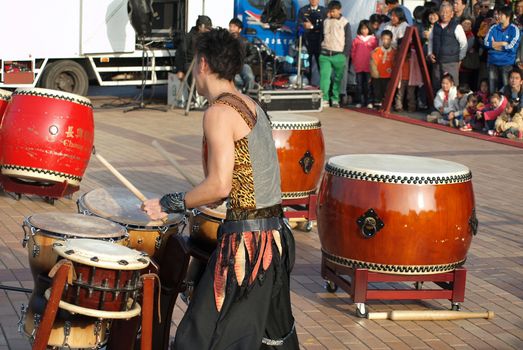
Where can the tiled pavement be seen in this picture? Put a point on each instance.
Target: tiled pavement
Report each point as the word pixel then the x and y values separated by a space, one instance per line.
pixel 324 320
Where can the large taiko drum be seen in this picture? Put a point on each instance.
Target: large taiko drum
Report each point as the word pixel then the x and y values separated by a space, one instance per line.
pixel 107 277
pixel 47 136
pixel 119 205
pixel 42 231
pixel 5 96
pixel 301 153
pixel 396 214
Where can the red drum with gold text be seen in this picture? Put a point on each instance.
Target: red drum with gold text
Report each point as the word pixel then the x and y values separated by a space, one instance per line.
pixel 396 214
pixel 47 136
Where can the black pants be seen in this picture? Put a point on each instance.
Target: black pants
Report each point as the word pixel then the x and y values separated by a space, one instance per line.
pixel 313 44
pixel 362 86
pixel 379 86
pixel 244 319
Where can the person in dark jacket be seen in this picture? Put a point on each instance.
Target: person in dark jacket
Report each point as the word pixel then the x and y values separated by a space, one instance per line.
pixel 245 80
pixel 185 51
pixel 447 46
pixel 310 18
pixel 502 42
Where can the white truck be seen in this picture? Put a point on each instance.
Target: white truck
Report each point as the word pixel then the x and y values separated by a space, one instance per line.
pixel 65 44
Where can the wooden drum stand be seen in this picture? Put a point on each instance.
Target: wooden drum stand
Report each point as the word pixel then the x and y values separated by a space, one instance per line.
pixel 304 210
pixel 452 285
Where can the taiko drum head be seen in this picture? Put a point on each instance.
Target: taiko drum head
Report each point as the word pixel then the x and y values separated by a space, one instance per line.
pixel 76 225
pixel 218 212
pixel 403 168
pixel 119 205
pixel 101 254
pixel 290 121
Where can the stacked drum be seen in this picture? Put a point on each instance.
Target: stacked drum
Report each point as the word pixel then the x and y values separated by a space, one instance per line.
pixel 396 214
pixel 301 153
pixel 47 136
pixel 45 235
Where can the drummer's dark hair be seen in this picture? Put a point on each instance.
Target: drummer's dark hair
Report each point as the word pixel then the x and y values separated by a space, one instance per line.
pixel 222 51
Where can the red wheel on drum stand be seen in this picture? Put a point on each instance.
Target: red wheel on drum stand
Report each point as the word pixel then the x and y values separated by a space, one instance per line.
pixel 47 138
pixel 384 218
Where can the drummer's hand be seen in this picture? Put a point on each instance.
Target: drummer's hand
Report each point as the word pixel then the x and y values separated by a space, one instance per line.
pixel 152 208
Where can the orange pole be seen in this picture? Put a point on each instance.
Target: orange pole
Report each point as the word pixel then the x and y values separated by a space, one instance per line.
pixel 147 311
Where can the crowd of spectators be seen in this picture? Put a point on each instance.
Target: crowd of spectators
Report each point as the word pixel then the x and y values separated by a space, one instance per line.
pixel 471 47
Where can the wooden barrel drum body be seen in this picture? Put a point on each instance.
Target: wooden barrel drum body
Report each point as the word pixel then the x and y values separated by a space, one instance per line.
pixel 301 153
pixel 396 214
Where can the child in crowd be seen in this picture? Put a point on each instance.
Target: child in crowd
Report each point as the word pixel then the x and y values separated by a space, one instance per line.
pixel 456 116
pixel 483 93
pixel 404 87
pixel 444 102
pixel 362 47
pixel 335 48
pixel 382 59
pixel 469 114
pixel 510 123
pixel 490 112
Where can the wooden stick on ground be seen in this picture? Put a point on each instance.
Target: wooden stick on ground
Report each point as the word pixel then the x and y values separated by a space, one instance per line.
pixel 428 315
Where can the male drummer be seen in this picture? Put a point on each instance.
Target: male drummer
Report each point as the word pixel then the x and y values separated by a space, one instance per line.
pixel 243 298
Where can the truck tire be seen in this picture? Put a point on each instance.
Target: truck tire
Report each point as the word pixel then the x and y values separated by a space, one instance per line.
pixel 66 75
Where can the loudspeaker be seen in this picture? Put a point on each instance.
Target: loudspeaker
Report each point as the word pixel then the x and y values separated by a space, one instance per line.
pixel 141 16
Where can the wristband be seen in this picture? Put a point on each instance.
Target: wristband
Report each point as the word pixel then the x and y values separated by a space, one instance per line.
pixel 173 203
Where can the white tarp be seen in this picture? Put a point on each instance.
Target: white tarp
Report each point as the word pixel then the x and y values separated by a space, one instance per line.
pixel 106 27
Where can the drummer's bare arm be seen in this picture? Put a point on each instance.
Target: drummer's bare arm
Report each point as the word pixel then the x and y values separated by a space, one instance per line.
pixel 221 127
pixel 218 127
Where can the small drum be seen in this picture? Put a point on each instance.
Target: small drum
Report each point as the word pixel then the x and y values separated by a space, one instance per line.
pixel 119 205
pixel 301 153
pixel 107 275
pixel 47 136
pixel 41 231
pixel 204 223
pixel 396 214
pixel 5 96
pixel 71 331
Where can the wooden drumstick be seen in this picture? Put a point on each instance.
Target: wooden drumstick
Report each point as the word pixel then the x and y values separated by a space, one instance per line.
pixel 122 178
pixel 428 315
pixel 175 163
pixel 138 194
